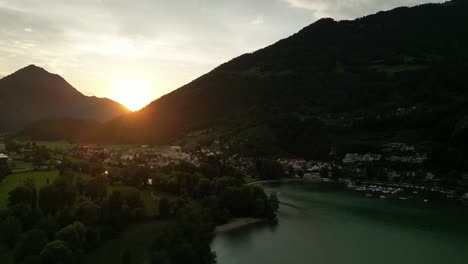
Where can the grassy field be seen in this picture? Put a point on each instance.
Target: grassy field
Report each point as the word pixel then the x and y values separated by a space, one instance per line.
pixel 19 164
pixel 65 145
pixel 54 145
pixel 136 239
pixel 392 69
pixel 12 181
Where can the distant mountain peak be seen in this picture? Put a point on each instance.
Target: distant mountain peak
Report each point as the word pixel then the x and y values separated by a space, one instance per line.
pixel 36 94
pixel 32 71
pixel 33 68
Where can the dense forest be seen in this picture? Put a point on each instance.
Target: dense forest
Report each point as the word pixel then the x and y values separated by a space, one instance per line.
pixel 71 215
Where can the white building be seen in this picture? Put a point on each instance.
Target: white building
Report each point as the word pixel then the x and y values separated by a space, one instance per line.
pixel 355 157
pixel 176 148
pixel 3 157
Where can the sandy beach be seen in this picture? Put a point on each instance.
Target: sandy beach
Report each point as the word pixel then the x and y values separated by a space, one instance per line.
pixel 237 223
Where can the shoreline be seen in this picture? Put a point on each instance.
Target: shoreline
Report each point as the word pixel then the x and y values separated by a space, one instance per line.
pixel 279 181
pixel 237 223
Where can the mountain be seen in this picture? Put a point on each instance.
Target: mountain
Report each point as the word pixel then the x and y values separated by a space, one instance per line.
pixel 70 129
pixel 32 94
pixel 334 87
pixel 395 75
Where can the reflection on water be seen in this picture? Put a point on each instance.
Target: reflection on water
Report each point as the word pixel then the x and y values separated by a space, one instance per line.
pixel 330 225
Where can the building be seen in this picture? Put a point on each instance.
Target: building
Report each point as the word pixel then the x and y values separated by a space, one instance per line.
pixel 176 148
pixel 355 157
pixel 2 148
pixel 3 158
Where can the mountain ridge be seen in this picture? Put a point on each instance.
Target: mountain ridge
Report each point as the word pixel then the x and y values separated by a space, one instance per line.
pixel 308 65
pixel 335 86
pixel 32 93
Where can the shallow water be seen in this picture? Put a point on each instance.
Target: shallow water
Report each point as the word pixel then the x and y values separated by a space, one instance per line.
pixel 332 225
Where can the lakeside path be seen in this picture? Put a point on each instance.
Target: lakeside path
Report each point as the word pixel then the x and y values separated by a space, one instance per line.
pixel 279 180
pixel 237 223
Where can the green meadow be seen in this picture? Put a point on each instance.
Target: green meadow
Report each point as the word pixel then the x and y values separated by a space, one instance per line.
pixel 15 180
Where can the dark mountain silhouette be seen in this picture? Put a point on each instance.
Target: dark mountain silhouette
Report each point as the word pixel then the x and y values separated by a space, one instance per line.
pixel 343 73
pixel 70 129
pixel 333 87
pixel 32 94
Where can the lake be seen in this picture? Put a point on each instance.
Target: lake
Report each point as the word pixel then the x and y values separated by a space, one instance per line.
pixel 329 225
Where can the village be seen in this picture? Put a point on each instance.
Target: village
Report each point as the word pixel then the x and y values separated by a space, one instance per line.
pixel 399 170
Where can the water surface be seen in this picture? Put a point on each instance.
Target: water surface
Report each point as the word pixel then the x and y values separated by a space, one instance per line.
pixel 332 226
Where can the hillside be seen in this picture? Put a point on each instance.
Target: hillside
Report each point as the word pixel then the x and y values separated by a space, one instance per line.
pixel 335 85
pixel 380 75
pixel 32 94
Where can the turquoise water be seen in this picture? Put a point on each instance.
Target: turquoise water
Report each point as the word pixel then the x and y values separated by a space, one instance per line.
pixel 331 226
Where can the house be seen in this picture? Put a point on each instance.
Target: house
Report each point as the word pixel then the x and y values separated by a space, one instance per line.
pixel 465 197
pixel 127 157
pixel 2 147
pixel 355 157
pixel 176 148
pixel 3 158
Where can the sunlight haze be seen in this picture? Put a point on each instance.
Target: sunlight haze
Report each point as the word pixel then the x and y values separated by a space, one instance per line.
pixel 165 43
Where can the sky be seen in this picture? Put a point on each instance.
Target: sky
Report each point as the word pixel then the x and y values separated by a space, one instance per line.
pixel 136 51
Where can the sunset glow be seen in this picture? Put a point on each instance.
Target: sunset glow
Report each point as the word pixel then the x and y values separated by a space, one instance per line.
pixel 133 93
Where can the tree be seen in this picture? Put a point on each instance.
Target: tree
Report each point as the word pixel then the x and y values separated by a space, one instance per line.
pixel 10 229
pixel 97 187
pixel 88 212
pixel 203 188
pixel 126 257
pixel 117 211
pixel 133 199
pixel 22 194
pixel 164 207
pixel 74 235
pixel 187 240
pixel 270 169
pixel 57 252
pixel 50 200
pixel 40 156
pixel 28 216
pixel 302 137
pixel 31 244
pixel 59 194
pixel 4 171
pixel 31 185
pixel 273 201
pixel 324 172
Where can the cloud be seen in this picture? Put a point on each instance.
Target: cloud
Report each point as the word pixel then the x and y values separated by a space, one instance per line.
pixel 168 42
pixel 349 9
pixel 258 21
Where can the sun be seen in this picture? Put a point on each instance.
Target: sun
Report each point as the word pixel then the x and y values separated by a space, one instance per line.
pixel 133 93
